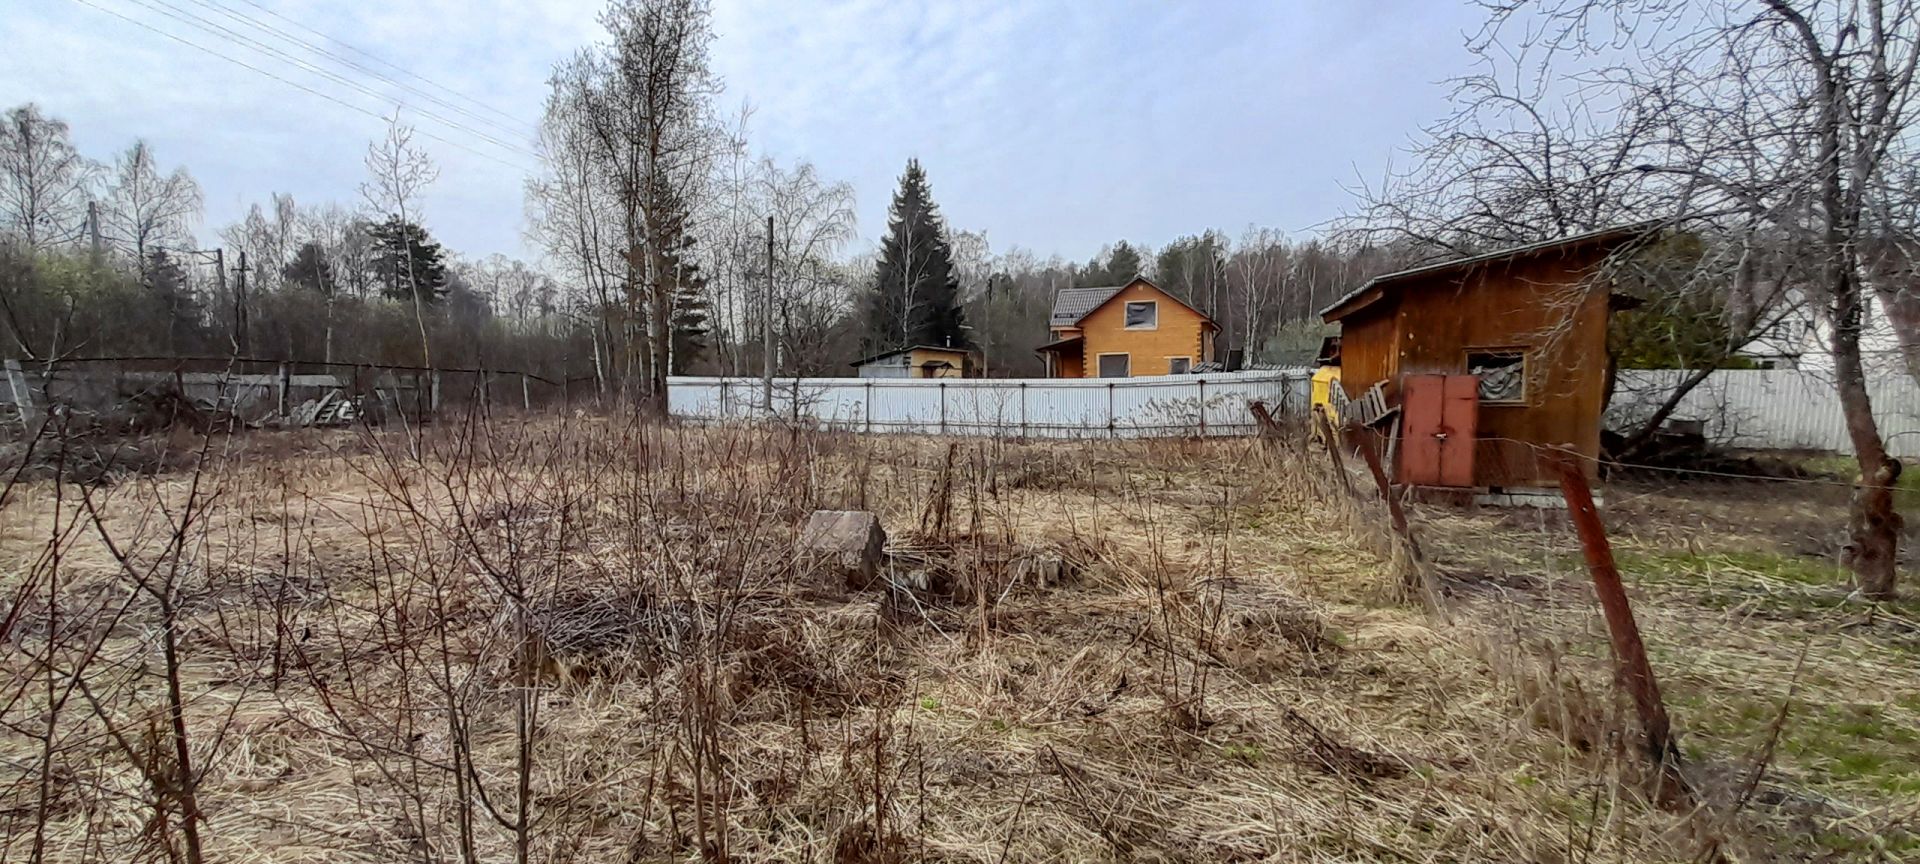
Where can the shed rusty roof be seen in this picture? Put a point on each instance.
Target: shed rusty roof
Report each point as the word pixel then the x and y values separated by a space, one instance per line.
pixel 1364 295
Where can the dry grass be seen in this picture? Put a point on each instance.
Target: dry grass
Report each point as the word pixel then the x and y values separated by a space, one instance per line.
pixel 583 639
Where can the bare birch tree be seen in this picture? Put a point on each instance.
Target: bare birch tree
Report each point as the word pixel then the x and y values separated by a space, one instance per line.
pixel 650 112
pixel 148 207
pixel 43 179
pixel 399 173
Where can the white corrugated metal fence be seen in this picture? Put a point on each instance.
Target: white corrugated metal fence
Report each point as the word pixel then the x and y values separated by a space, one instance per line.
pixel 1772 408
pixel 1172 405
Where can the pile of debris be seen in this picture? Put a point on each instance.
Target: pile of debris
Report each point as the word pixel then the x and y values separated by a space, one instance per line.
pixel 331 409
pixel 846 550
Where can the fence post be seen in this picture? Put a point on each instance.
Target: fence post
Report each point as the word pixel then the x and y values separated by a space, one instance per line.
pixel 22 396
pixel 724 383
pixel 1203 407
pixel 526 397
pixel 1023 409
pixel 433 402
pixel 280 391
pixel 1629 652
pixel 1111 432
pixel 867 403
pixel 943 407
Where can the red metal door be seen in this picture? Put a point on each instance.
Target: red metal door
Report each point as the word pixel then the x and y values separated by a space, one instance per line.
pixel 1436 446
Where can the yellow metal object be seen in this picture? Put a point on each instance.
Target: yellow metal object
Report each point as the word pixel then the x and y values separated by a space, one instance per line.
pixel 1325 379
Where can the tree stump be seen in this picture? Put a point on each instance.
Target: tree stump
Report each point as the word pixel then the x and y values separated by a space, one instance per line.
pixel 839 551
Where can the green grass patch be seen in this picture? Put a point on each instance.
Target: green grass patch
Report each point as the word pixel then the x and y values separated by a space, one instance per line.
pixel 1696 567
pixel 1906 490
pixel 1245 754
pixel 1854 750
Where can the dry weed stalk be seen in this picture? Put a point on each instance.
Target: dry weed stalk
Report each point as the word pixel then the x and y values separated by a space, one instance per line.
pixel 579 638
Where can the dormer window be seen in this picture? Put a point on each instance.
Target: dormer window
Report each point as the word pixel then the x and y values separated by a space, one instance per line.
pixel 1143 315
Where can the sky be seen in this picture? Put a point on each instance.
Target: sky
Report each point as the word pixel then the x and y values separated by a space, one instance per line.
pixel 1057 126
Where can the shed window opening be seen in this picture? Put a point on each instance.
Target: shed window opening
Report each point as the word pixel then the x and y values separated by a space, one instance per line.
pixel 1115 365
pixel 1179 365
pixel 1502 374
pixel 1143 315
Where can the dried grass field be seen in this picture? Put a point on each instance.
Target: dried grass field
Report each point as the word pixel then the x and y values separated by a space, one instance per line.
pixel 583 639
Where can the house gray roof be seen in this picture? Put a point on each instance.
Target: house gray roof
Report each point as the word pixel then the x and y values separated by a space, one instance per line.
pixel 1072 304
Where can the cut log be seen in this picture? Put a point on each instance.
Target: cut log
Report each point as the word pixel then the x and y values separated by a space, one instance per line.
pixel 840 550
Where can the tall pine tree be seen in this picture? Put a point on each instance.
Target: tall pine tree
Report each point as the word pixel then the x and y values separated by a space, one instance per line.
pixel 915 296
pixel 406 258
pixel 310 269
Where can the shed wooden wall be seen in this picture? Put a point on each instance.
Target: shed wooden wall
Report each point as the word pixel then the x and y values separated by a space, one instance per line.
pixel 920 357
pixel 1538 304
pixel 1181 333
pixel 1368 352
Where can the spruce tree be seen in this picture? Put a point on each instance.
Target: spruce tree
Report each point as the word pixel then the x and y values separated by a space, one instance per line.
pixel 399 246
pixel 691 312
pixel 309 269
pixel 1122 264
pixel 166 281
pixel 915 296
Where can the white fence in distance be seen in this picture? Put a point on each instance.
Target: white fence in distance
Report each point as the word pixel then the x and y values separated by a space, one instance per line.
pixel 1750 408
pixel 1162 406
pixel 1788 409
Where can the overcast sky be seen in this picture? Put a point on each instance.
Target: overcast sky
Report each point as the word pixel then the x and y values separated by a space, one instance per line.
pixel 1057 126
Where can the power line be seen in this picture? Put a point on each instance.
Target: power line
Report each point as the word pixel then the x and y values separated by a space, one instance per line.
pixel 294 84
pixel 513 127
pixel 377 59
pixel 218 30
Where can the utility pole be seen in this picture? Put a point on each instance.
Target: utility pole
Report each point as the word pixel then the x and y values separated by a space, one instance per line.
pixel 93 229
pixel 766 348
pixel 242 339
pixel 986 336
pixel 220 277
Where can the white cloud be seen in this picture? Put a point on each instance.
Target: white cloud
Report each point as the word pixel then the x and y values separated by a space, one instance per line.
pixel 1055 125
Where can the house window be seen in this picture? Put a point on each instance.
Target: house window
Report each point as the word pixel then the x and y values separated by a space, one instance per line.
pixel 1143 315
pixel 1179 365
pixel 1502 373
pixel 1116 365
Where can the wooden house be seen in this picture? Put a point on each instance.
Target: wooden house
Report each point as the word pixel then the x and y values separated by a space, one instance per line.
pixel 918 361
pixel 1125 331
pixel 1487 359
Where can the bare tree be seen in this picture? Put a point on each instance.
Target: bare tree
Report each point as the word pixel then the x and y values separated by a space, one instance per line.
pixel 1256 269
pixel 400 172
pixel 1772 126
pixel 147 207
pixel 649 109
pixel 43 179
pixel 571 209
pixel 812 220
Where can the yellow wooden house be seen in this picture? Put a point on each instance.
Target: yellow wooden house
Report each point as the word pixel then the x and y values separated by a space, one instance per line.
pixel 1125 331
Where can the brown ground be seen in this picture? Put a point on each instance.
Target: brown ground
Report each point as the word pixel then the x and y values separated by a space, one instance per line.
pixel 584 640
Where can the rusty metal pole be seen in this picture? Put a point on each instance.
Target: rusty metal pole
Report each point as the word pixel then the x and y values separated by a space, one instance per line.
pixel 1361 438
pixel 1324 426
pixel 1629 651
pixel 1420 577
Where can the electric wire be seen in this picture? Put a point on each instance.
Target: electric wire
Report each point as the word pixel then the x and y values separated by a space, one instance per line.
pixel 295 84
